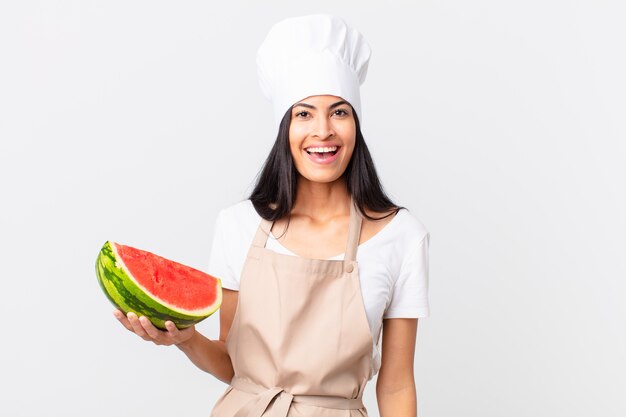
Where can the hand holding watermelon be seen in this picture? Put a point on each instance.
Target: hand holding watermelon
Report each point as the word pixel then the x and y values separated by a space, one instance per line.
pixel 140 282
pixel 144 328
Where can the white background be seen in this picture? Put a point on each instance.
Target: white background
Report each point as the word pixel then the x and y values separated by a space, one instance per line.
pixel 500 125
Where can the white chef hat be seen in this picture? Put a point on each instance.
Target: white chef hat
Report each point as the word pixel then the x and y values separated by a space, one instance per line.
pixel 311 55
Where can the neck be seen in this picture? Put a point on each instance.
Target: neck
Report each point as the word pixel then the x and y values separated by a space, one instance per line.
pixel 321 201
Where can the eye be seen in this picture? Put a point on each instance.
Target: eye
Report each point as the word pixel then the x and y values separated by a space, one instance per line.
pixel 341 112
pixel 302 113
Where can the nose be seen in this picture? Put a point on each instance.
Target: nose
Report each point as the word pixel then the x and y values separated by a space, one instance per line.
pixel 323 127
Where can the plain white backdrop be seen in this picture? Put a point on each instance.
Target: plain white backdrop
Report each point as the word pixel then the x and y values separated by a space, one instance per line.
pixel 500 125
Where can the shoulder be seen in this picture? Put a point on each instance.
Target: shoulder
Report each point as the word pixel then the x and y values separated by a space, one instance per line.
pixel 411 225
pixel 414 239
pixel 237 223
pixel 402 240
pixel 403 227
pixel 235 226
pixel 240 212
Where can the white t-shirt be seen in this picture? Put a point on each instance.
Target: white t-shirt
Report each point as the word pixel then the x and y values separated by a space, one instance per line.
pixel 393 264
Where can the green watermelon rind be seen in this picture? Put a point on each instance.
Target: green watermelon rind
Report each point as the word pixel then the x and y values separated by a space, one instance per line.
pixel 124 293
pixel 183 312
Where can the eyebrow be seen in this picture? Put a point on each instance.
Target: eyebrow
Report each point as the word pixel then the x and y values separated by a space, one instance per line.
pixel 332 106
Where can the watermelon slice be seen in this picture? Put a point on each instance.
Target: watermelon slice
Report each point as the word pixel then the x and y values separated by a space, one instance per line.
pixel 158 288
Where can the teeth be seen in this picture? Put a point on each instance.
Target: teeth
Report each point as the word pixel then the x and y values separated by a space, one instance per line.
pixel 322 150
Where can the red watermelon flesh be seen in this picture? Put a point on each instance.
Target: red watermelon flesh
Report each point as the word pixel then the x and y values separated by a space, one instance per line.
pixel 173 284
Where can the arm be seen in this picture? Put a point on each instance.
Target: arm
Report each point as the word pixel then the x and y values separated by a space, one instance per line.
pixel 209 355
pixel 395 387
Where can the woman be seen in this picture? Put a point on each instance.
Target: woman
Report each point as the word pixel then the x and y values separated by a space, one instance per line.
pixel 301 318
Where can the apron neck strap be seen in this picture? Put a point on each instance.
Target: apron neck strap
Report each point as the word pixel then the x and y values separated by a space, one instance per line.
pixel 262 233
pixel 354 232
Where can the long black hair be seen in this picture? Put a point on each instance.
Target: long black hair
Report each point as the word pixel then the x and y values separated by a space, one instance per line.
pixel 276 183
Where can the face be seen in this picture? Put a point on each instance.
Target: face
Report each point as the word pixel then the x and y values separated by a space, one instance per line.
pixel 322 135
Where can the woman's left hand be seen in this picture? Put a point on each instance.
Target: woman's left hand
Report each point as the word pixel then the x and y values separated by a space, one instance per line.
pixel 144 328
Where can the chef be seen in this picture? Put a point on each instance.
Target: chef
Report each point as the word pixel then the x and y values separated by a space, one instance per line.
pixel 318 261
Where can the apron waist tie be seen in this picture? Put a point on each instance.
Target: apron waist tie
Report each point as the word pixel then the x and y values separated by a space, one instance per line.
pixel 257 406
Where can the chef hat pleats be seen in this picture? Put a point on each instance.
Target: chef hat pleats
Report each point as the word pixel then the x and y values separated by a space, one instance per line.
pixel 311 55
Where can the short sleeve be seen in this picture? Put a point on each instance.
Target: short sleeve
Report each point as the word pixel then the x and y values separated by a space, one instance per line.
pixel 410 292
pixel 220 265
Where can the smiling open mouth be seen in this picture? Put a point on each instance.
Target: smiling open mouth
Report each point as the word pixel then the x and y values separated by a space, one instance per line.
pixel 323 153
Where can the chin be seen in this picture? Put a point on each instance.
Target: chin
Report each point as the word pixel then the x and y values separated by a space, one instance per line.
pixel 323 179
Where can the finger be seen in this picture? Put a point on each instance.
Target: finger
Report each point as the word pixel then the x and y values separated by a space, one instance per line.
pixel 151 330
pixel 172 329
pixel 122 319
pixel 186 334
pixel 179 336
pixel 137 327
